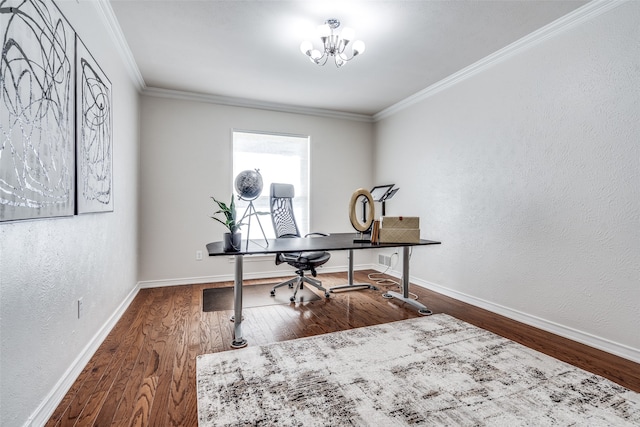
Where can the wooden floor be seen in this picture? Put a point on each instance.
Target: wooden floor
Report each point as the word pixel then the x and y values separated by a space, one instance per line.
pixel 144 372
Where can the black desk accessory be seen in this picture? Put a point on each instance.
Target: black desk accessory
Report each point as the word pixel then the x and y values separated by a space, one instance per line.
pixel 379 193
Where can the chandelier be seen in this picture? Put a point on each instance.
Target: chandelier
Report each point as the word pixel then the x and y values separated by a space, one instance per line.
pixel 334 43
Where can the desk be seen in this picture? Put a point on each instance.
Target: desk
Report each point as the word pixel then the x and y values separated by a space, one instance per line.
pixel 333 242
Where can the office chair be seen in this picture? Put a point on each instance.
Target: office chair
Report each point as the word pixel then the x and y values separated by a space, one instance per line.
pixel 285 226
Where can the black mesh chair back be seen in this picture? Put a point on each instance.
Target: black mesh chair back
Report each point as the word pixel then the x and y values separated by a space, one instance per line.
pixel 284 221
pixel 285 226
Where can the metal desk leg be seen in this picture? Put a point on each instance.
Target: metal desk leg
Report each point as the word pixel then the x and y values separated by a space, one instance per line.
pixel 238 340
pixel 405 286
pixel 350 285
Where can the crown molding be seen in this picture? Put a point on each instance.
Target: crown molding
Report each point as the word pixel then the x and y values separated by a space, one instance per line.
pixel 251 103
pixel 110 21
pixel 577 17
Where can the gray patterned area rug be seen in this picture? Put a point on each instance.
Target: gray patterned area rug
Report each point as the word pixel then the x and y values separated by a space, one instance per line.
pixel 435 370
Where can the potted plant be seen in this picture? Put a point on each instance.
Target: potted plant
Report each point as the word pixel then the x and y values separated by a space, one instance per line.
pixel 232 239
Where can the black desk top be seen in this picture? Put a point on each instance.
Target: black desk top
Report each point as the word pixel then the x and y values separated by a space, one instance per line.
pixel 333 242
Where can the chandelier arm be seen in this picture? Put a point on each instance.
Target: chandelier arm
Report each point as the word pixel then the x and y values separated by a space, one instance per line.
pixel 342 45
pixel 345 58
pixel 336 41
pixel 325 56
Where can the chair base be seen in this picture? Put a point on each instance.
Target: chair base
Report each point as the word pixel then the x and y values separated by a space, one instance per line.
pixel 297 283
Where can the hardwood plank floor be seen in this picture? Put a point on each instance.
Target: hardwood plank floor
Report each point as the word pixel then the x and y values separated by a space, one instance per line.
pixel 143 374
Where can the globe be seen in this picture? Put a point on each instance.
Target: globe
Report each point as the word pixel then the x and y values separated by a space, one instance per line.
pixel 249 184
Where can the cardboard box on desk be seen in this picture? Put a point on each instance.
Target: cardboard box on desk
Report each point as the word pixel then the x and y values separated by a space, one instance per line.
pixel 412 222
pixel 399 235
pixel 400 229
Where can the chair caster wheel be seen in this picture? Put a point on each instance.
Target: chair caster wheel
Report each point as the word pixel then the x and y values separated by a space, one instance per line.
pixel 292 299
pixel 327 295
pixel 290 285
pixel 273 293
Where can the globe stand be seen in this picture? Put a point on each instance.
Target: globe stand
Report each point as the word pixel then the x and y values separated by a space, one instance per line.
pixel 251 212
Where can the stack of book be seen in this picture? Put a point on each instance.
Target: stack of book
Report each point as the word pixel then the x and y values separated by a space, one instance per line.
pixel 375 232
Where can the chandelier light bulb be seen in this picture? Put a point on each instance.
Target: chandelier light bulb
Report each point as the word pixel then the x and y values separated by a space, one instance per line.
pixel 324 31
pixel 306 47
pixel 358 47
pixel 347 34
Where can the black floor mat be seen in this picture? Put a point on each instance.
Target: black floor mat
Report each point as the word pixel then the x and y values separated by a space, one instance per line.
pixel 217 299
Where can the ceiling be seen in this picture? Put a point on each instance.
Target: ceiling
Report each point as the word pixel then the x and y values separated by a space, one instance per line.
pixel 250 49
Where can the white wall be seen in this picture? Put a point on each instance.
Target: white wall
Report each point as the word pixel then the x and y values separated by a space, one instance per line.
pixel 46 265
pixel 186 158
pixel 529 173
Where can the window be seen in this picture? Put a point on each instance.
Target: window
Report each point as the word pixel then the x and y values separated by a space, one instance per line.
pixel 279 158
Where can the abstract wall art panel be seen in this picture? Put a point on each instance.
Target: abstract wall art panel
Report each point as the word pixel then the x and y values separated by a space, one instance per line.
pixel 37 167
pixel 94 133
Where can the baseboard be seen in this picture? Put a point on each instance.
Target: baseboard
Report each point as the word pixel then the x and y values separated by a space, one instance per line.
pixel 603 344
pixel 44 411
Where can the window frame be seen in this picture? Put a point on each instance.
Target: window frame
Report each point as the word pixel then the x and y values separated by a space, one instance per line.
pixel 305 205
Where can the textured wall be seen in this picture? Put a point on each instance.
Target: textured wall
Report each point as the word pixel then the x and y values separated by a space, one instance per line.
pixel 46 265
pixel 529 173
pixel 186 158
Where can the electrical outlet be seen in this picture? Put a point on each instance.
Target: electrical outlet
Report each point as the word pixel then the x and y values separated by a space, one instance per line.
pixel 198 255
pixel 80 308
